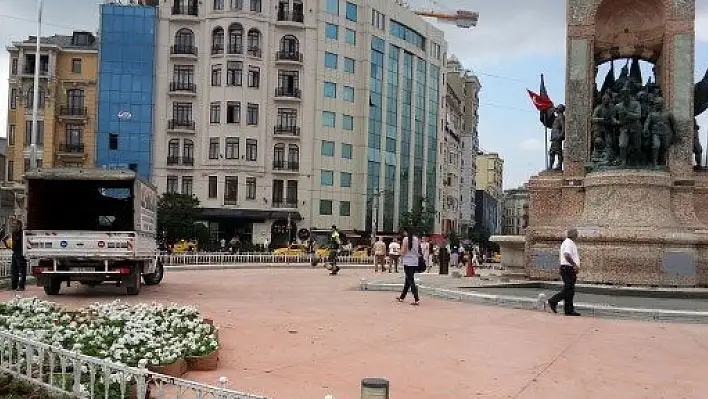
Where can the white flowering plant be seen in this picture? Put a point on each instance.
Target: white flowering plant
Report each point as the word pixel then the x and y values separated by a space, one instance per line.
pixel 133 335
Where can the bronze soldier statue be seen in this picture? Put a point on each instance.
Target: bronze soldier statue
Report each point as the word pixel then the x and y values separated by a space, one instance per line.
pixel 557 137
pixel 662 127
pixel 697 147
pixel 603 137
pixel 628 114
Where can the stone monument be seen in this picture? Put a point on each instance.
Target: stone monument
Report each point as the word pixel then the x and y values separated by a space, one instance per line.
pixel 639 205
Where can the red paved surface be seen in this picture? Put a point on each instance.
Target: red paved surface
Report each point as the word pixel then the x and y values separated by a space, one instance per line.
pixel 303 334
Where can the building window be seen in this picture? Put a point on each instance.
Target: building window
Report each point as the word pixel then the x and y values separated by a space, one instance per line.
pixel 14 67
pixel 188 152
pixel 113 141
pixel 28 132
pixel 378 20
pixel 333 7
pixel 348 94
pixel 331 31
pixel 294 154
pixel 218 5
pixel 233 112
pixel 345 179
pixel 76 65
pixel 74 138
pixel 214 148
pixel 256 5
pixel 351 11
pixel 184 42
pixel 212 187
pixel 348 65
pixel 347 150
pixel 350 37
pixel 13 98
pixel 217 40
pixel 11 132
pixel 329 118
pixel 327 178
pixel 236 4
pixel 330 60
pixel 390 144
pixel 173 152
pixel 251 150
pixel 216 75
pixel 235 39
pixel 187 185
pixel 10 170
pixel 254 43
pixel 347 122
pixel 289 83
pixel 182 113
pixel 290 47
pixel 215 112
pixel 78 99
pixel 327 148
pixel 330 89
pixel 231 189
pixel 287 119
pixel 252 114
pixel 232 146
pixel 172 182
pixel 345 208
pixel 234 73
pixel 326 207
pixel 251 188
pixel 291 193
pixel 183 76
pixel 254 77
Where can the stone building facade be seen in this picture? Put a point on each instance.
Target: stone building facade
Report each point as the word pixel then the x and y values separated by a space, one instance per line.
pixel 515 207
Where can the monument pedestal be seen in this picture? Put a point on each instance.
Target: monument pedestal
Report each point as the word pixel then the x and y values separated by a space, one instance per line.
pixel 635 227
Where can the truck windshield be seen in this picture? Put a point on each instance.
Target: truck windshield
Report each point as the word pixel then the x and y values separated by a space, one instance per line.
pixel 80 205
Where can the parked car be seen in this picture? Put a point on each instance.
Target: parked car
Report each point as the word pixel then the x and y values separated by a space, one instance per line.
pixel 293 250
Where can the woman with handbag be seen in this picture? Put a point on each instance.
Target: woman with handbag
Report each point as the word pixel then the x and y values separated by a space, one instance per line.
pixel 411 257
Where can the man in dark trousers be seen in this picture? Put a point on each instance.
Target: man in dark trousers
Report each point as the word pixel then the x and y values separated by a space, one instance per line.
pixel 334 243
pixel 19 265
pixel 569 264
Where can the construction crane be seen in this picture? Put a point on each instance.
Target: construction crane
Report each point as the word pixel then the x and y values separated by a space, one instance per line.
pixel 461 18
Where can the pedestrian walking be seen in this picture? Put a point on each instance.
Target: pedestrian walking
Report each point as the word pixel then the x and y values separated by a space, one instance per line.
pixel 411 260
pixel 394 253
pixel 444 259
pixel 18 268
pixel 379 255
pixel 569 264
pixel 334 243
pixel 425 251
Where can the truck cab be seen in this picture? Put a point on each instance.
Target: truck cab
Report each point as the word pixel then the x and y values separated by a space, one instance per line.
pixel 91 226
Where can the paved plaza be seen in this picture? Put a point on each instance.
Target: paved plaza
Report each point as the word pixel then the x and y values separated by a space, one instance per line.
pixel 301 334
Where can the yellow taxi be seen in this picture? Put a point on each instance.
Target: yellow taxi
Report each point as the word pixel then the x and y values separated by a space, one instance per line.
pixel 183 246
pixel 361 251
pixel 293 249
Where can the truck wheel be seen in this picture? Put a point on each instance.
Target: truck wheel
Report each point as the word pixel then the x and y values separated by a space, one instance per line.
pixel 137 280
pixel 155 278
pixel 52 287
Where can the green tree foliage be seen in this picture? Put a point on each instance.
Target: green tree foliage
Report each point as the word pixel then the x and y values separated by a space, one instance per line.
pixel 176 216
pixel 419 220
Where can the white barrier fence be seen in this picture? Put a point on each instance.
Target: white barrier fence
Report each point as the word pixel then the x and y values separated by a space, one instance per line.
pixel 264 258
pixel 63 372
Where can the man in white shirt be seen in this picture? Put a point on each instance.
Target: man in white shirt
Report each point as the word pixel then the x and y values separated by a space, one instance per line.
pixel 394 253
pixel 569 265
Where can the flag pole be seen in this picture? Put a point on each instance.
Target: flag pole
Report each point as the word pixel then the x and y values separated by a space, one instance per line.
pixel 545 142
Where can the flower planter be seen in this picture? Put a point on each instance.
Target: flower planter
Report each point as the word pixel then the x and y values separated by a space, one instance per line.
pixel 203 363
pixel 176 369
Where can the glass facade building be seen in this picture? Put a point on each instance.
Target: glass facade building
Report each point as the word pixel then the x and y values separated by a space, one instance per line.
pixel 126 87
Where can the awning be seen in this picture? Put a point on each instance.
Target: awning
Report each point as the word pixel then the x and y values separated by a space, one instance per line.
pixel 250 214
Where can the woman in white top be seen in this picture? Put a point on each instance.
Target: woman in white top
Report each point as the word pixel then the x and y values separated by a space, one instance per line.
pixel 410 250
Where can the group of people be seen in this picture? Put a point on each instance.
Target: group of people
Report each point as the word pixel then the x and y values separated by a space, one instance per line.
pixel 435 255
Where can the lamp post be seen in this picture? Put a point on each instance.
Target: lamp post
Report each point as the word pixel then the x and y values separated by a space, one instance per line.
pixel 375 215
pixel 35 94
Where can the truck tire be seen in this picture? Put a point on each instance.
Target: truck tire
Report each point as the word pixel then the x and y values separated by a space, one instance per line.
pixel 155 278
pixel 52 287
pixel 137 281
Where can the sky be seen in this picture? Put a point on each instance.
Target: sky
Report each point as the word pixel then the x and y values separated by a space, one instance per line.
pixel 507 51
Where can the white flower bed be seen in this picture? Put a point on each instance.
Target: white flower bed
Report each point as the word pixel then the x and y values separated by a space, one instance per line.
pixel 140 335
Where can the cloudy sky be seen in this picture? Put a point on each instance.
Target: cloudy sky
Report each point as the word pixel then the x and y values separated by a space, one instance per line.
pixel 508 51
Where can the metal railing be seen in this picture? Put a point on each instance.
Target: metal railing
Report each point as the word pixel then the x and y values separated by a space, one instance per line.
pixel 72 111
pixel 190 9
pixel 285 203
pixel 288 56
pixel 176 161
pixel 235 49
pixel 287 92
pixel 194 259
pixel 254 52
pixel 290 16
pixel 184 49
pixel 174 124
pixel 286 130
pixel 183 86
pixel 64 372
pixel 6 263
pixel 292 166
pixel 72 148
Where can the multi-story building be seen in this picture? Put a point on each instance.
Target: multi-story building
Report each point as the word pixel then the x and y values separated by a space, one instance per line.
pixel 67 102
pixel 487 218
pixel 281 117
pixel 490 169
pixel 515 211
pixel 126 86
pixel 458 149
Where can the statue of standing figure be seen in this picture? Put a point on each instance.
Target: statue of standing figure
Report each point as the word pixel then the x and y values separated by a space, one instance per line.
pixel 628 115
pixel 603 129
pixel 661 125
pixel 557 137
pixel 697 147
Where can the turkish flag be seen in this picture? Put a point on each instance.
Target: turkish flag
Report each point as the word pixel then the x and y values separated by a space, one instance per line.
pixel 541 102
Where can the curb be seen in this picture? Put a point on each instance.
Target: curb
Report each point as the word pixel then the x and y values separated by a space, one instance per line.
pixel 517 302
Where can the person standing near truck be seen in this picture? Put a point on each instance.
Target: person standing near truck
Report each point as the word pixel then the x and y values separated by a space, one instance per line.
pixel 19 265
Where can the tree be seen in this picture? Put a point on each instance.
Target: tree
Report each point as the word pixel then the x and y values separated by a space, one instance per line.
pixel 176 216
pixel 419 220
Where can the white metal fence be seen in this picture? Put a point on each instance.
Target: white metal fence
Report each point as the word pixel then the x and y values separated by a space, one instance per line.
pixel 63 372
pixel 264 258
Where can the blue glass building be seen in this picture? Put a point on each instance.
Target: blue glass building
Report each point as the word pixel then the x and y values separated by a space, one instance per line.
pixel 126 87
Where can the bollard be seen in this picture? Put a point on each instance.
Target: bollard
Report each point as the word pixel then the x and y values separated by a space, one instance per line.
pixel 223 382
pixel 374 388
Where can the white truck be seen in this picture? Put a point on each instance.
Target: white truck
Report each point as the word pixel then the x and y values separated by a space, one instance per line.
pixel 91 226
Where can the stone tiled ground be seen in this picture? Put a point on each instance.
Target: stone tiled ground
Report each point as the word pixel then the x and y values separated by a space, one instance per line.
pixel 302 334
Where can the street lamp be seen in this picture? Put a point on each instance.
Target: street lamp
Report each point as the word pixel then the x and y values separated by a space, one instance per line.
pixel 35 94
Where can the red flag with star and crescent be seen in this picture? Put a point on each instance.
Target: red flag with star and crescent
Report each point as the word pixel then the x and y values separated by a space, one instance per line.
pixel 541 100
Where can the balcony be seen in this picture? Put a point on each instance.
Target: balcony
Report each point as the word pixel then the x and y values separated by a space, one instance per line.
pixel 288 93
pixel 290 203
pixel 230 201
pixel 180 161
pixel 286 130
pixel 183 88
pixel 181 125
pixel 288 57
pixel 283 166
pixel 185 13
pixel 28 71
pixel 184 51
pixel 234 49
pixel 69 149
pixel 72 113
pixel 217 50
pixel 290 16
pixel 255 52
